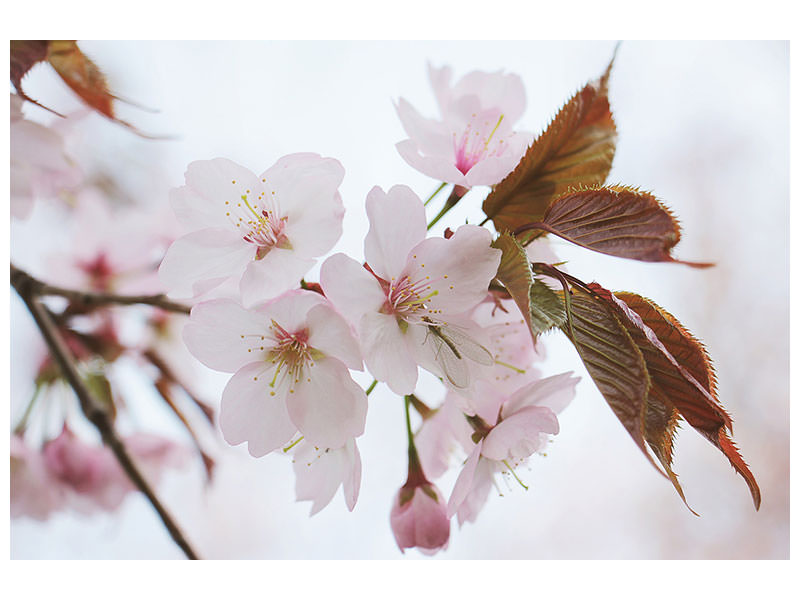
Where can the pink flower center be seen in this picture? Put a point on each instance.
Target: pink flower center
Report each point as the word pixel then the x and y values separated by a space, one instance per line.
pixel 260 217
pixel 476 144
pixel 290 355
pixel 406 297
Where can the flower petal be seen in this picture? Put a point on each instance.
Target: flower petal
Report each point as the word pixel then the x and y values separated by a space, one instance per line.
pixel 224 336
pixel 553 392
pixel 252 412
pixel 386 352
pixel 279 270
pixel 442 168
pixel 458 270
pixel 520 435
pixel 327 406
pixel 199 261
pixel 464 482
pixel 397 224
pixel 329 333
pixel 351 288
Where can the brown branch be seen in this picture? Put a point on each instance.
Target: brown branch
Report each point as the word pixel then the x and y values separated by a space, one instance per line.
pixel 40 288
pixel 58 348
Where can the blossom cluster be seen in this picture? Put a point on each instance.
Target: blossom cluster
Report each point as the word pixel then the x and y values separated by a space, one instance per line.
pixel 415 301
pixel 246 243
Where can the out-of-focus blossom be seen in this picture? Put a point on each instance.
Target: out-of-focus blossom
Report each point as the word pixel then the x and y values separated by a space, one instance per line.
pixel 68 473
pixel 264 231
pixel 39 166
pixel 290 357
pixel 440 435
pixel 409 307
pixel 320 471
pixel 33 492
pixel 111 250
pixel 473 143
pixel 419 518
pixel 521 429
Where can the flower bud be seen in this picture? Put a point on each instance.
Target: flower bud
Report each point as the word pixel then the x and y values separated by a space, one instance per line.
pixel 419 518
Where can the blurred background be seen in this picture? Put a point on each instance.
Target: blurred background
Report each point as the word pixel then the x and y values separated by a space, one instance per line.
pixel 703 125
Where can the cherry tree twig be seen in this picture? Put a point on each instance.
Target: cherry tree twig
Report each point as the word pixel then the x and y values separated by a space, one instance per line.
pixel 28 290
pixel 40 288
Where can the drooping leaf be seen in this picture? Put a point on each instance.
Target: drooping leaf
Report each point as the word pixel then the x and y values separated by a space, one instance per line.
pixel 615 220
pixel 575 150
pixel 613 360
pixel 690 387
pixel 540 306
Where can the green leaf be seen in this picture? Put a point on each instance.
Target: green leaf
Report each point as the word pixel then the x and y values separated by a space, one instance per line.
pixel 616 220
pixel 540 306
pixel 575 150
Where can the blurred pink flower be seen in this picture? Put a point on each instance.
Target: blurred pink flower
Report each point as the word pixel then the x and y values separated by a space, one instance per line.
pixel 39 166
pixel 522 428
pixel 415 291
pixel 88 478
pixel 290 357
pixel 419 518
pixel 264 231
pixel 33 492
pixel 473 143
pixel 320 471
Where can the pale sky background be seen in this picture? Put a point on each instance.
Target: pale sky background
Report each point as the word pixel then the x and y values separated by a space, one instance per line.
pixel 702 125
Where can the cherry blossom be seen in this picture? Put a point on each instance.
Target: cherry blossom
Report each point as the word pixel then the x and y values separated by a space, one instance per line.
pixel 87 478
pixel 33 491
pixel 320 472
pixel 262 231
pixel 419 518
pixel 409 306
pixel 521 429
pixel 473 143
pixel 290 358
pixel 39 166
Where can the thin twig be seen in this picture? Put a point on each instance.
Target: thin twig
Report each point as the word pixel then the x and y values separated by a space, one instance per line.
pixel 40 288
pixel 89 405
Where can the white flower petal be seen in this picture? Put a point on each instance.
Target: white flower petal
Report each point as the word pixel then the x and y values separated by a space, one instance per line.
pixel 253 412
pixel 327 406
pixel 279 270
pixel 224 336
pixel 386 352
pixel 397 224
pixel 329 333
pixel 202 260
pixel 350 287
pixel 519 435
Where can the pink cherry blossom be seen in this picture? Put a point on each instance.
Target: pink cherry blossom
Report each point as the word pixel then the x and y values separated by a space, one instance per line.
pixel 88 477
pixel 290 358
pixel 409 307
pixel 112 250
pixel 440 435
pixel 263 231
pixel 419 518
pixel 473 143
pixel 33 492
pixel 320 472
pixel 39 166
pixel 522 428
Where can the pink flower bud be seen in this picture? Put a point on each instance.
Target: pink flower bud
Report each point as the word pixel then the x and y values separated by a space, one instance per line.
pixel 419 519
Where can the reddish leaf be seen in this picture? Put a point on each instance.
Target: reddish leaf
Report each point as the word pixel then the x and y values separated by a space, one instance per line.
pixel 575 150
pixel 612 359
pixel 81 75
pixel 617 220
pixel 24 55
pixel 679 385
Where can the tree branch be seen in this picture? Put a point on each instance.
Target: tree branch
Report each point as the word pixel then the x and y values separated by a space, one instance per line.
pixel 40 288
pixel 27 288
